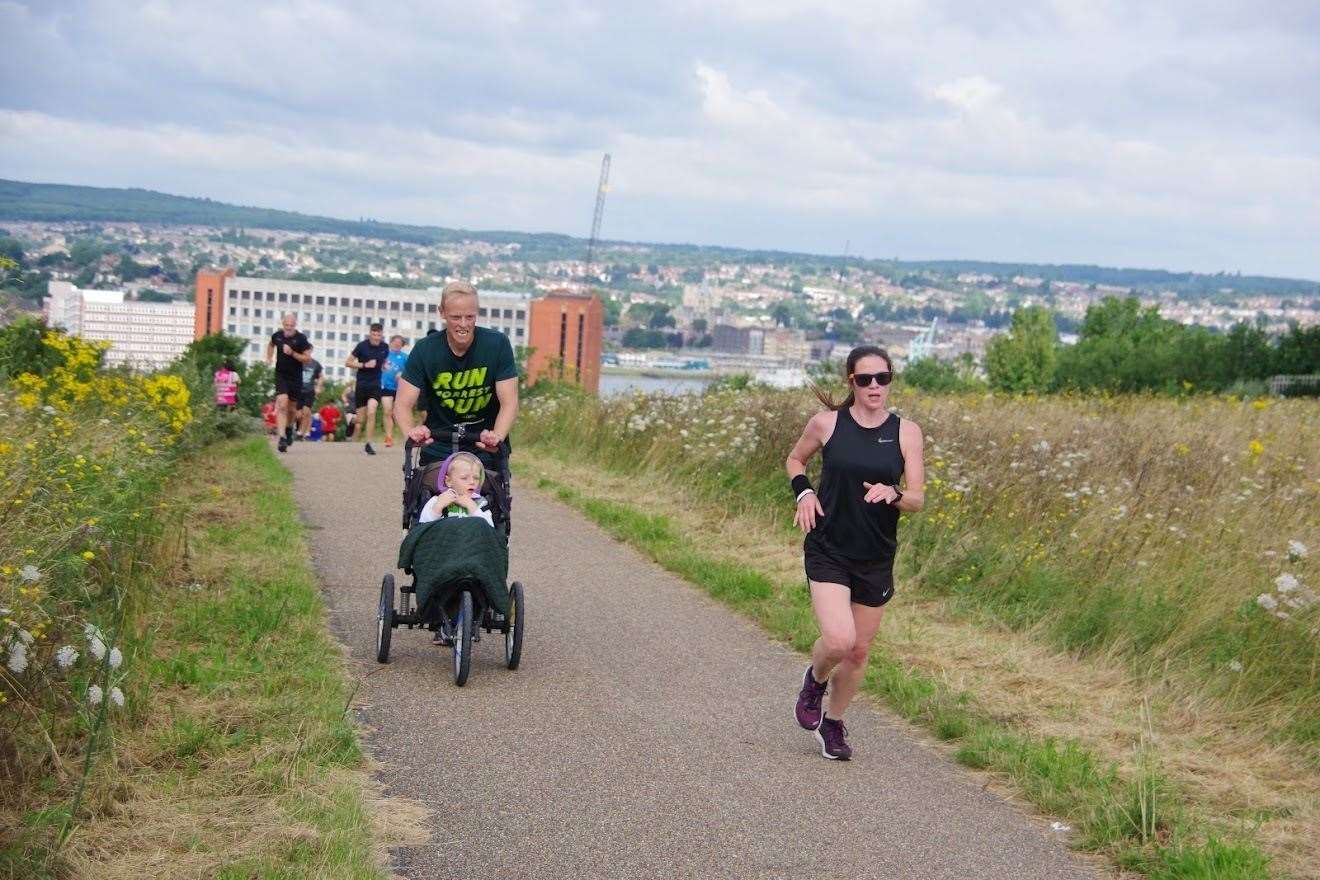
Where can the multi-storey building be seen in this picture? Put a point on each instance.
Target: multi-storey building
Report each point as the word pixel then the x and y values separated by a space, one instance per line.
pixel 566 339
pixel 142 335
pixel 336 317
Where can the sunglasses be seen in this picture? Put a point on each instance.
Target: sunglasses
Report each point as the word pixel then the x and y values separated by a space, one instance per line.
pixel 862 380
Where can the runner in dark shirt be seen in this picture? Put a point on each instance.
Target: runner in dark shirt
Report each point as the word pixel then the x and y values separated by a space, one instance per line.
pixel 852 532
pixel 368 358
pixel 288 350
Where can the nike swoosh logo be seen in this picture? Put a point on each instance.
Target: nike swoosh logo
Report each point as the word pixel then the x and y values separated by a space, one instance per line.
pixel 884 441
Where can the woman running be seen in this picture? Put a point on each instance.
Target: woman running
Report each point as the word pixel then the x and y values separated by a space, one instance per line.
pixel 852 529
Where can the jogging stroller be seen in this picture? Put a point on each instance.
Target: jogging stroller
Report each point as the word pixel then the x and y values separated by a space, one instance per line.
pixel 458 567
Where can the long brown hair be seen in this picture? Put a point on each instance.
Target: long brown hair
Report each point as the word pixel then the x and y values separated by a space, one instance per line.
pixel 861 351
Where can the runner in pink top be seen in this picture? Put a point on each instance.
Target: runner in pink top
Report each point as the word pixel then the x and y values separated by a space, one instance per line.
pixel 226 386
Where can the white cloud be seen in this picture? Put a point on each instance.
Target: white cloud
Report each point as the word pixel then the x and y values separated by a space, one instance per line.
pixel 968 93
pixel 1166 135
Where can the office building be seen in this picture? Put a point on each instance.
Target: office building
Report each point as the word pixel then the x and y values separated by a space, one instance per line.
pixel 143 335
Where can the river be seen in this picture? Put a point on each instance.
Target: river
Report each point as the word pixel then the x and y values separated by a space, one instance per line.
pixel 614 384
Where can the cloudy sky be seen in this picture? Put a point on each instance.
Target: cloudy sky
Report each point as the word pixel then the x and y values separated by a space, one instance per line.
pixel 1177 134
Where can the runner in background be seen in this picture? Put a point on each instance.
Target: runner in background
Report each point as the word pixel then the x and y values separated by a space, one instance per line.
pixel 389 383
pixel 313 382
pixel 368 358
pixel 226 386
pixel 287 351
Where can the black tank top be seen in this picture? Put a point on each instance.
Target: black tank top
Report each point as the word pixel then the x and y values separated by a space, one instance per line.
pixel 853 455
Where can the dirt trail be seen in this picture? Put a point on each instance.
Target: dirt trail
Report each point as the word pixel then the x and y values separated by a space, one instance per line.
pixel 648 733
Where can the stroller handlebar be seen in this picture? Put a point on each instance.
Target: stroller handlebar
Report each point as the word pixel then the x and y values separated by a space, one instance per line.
pixel 459 441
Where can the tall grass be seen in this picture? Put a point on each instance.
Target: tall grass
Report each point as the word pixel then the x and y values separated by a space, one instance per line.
pixel 90 538
pixel 1175 534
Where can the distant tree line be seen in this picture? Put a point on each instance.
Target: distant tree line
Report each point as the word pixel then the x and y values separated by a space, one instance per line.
pixel 1125 347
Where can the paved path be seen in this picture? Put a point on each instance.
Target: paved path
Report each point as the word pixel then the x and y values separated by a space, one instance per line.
pixel 648 733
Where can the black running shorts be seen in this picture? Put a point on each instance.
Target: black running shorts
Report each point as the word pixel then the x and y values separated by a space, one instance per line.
pixel 290 385
pixel 871 581
pixel 361 394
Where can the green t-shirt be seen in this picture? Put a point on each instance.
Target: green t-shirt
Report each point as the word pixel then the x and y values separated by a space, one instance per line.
pixel 459 390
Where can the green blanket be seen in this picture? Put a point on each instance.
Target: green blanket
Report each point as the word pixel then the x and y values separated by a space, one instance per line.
pixel 445 551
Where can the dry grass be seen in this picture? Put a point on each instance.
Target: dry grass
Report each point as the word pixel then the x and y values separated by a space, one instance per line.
pixel 240 761
pixel 1235 774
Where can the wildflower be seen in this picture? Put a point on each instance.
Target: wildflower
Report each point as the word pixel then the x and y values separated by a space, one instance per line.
pixel 31 574
pixel 1286 583
pixel 66 656
pixel 17 657
pixel 97 648
pixel 1255 448
pixel 1297 550
pixel 94 695
pixel 1266 601
pixel 116 696
pixel 1235 665
pixel 116 658
pixel 88 555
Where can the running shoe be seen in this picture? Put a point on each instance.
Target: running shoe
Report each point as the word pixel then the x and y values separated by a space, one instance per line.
pixel 808 702
pixel 283 445
pixel 368 450
pixel 832 736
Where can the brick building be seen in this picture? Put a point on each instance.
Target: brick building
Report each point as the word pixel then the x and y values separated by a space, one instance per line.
pixel 565 336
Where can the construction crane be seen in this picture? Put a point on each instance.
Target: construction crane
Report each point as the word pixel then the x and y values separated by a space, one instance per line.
pixel 601 189
pixel 923 344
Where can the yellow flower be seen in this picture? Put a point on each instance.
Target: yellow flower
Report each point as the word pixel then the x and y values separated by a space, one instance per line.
pixel 1255 448
pixel 88 555
pixel 1181 448
pixel 1259 404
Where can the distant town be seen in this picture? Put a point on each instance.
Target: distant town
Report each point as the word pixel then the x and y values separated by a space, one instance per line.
pixel 662 309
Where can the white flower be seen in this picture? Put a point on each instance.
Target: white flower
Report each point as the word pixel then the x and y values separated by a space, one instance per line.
pixel 25 637
pixel 1297 550
pixel 1286 583
pixel 97 648
pixel 1235 665
pixel 18 660
pixel 91 632
pixel 66 656
pixel 1266 601
pixel 30 574
pixel 48 410
pixel 116 658
pixel 94 695
pixel 116 696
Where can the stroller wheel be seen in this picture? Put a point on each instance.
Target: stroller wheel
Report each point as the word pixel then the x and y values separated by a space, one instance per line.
pixel 513 627
pixel 463 626
pixel 385 619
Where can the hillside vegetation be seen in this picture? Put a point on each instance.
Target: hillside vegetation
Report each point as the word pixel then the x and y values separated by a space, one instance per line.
pixel 49 202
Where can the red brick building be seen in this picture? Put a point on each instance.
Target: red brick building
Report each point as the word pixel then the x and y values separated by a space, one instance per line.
pixel 209 303
pixel 564 333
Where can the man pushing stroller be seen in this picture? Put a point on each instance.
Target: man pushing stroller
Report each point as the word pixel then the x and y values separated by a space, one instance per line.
pixel 466 380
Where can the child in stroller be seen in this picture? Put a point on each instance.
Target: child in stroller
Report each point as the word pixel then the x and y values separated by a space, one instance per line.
pixel 461 475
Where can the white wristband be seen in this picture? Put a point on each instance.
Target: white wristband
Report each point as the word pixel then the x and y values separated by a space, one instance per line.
pixel 805 492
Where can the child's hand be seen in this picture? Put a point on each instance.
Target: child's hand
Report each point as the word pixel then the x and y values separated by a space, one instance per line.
pixel 446 498
pixel 466 502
